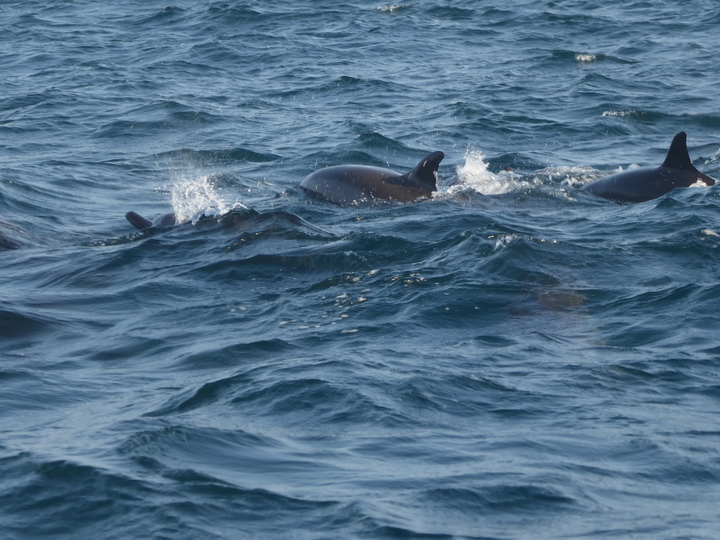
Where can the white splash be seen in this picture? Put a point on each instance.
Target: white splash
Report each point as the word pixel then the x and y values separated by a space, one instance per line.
pixel 574 176
pixel 474 174
pixel 193 197
pixel 713 158
pixel 585 57
pixel 392 8
pixel 621 114
pixel 474 171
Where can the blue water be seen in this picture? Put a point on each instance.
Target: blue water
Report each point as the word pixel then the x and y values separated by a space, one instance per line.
pixel 513 358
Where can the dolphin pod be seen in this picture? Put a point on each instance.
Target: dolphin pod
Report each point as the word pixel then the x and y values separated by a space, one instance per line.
pixel 351 184
pixel 354 184
pixel 347 184
pixel 640 185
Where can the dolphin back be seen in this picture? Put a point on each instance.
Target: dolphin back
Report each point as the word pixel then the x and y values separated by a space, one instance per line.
pixel 356 184
pixel 640 185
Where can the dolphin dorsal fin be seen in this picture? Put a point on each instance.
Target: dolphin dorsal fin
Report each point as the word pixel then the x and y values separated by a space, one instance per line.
pixel 677 157
pixel 425 174
pixel 138 221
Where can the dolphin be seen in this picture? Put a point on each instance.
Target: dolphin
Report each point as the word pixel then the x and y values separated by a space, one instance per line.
pixel 141 223
pixel 352 184
pixel 638 185
pixel 238 216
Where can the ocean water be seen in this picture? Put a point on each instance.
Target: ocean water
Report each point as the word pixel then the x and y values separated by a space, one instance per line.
pixel 512 358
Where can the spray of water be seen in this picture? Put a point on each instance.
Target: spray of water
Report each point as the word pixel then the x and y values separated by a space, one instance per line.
pixel 195 196
pixel 474 174
pixel 193 192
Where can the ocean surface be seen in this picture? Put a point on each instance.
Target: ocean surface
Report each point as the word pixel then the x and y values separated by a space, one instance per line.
pixel 513 358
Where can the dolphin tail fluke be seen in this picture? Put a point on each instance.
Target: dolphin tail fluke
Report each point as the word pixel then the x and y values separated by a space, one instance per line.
pixel 138 221
pixel 678 157
pixel 425 174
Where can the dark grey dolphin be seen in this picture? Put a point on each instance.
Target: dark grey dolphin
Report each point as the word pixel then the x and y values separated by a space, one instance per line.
pixel 640 185
pixel 237 217
pixel 348 184
pixel 140 223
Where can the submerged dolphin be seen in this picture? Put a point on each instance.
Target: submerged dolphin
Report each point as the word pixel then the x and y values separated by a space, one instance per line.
pixel 348 184
pixel 640 185
pixel 141 223
pixel 238 216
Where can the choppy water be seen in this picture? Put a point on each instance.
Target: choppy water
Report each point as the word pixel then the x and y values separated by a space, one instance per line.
pixel 513 358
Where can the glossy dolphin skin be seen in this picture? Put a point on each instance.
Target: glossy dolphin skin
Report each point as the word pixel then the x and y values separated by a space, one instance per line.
pixel 354 184
pixel 640 185
pixel 141 223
